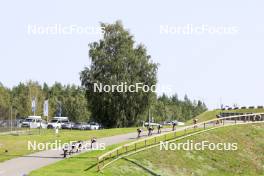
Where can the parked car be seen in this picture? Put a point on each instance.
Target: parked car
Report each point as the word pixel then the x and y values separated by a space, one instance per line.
pixel 176 122
pixel 180 123
pixel 94 126
pixel 57 122
pixel 151 124
pixel 34 122
pixel 167 123
pixel 81 126
pixel 54 123
pixel 68 125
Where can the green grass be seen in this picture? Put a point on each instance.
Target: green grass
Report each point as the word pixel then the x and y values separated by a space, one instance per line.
pixel 84 164
pixel 150 142
pixel 208 115
pixel 81 165
pixel 247 160
pixel 17 144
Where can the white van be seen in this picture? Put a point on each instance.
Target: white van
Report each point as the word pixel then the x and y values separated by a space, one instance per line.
pixel 56 122
pixel 34 122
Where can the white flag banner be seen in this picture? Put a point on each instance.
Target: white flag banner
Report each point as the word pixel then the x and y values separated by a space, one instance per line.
pixel 33 104
pixel 46 108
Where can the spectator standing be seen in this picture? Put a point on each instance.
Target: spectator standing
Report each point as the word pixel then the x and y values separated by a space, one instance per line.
pixel 173 126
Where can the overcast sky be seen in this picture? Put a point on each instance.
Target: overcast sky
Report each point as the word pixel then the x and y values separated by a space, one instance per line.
pixel 213 66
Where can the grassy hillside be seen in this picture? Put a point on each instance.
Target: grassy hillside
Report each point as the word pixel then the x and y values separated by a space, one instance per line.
pixel 205 116
pixel 208 115
pixel 247 160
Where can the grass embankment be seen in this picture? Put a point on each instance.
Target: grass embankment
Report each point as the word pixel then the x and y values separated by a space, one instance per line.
pixel 208 115
pixel 86 163
pixel 247 160
pixel 17 145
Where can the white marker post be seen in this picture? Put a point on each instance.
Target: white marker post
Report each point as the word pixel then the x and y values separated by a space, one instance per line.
pixel 56 130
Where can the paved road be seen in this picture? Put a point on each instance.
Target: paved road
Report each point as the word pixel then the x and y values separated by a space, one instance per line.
pixel 22 166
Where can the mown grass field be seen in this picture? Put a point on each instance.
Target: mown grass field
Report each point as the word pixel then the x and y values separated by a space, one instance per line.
pixel 17 145
pixel 247 160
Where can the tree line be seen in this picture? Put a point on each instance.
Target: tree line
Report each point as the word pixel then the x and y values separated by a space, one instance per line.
pixel 75 106
pixel 169 108
pixel 19 98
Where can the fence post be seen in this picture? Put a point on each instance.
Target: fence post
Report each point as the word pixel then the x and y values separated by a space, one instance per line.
pixel 117 153
pixel 204 126
pixel 145 142
pixel 98 164
pixel 103 161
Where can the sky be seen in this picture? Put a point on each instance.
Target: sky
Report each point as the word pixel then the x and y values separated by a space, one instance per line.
pixel 223 64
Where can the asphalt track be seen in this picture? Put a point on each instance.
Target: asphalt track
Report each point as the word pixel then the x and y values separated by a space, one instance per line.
pixel 23 165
